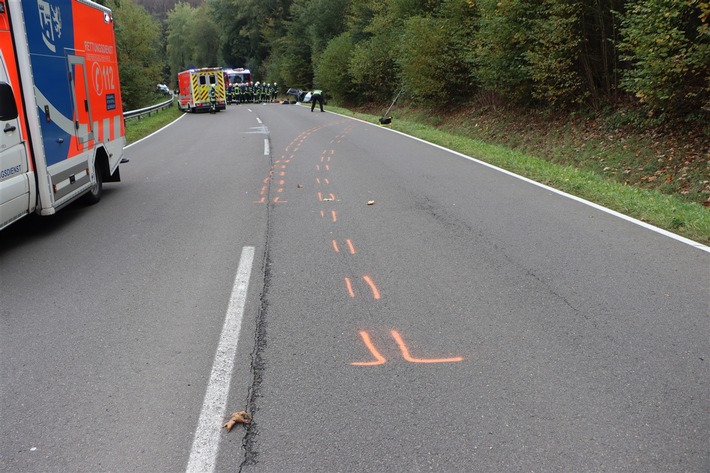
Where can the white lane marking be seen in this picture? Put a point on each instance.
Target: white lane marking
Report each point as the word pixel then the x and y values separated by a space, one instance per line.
pixel 155 132
pixel 640 223
pixel 258 119
pixel 205 444
pixel 267 150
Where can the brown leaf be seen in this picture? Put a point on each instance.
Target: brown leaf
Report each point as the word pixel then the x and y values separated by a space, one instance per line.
pixel 241 417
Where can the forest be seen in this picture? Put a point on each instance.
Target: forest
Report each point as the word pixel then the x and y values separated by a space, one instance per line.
pixel 581 55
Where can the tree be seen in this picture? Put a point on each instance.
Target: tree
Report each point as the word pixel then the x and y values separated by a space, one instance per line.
pixel 667 44
pixel 180 48
pixel 138 46
pixel 434 50
pixel 331 72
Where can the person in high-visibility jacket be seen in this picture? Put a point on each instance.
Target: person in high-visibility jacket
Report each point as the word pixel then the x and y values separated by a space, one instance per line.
pixel 317 96
pixel 213 99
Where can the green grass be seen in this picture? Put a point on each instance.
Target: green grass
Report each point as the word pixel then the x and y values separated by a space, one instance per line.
pixel 672 213
pixel 137 128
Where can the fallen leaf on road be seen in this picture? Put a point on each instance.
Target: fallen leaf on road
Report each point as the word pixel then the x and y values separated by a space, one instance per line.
pixel 241 417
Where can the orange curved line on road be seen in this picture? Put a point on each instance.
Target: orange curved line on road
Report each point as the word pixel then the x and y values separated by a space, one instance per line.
pixel 335 217
pixel 379 359
pixel 375 292
pixel 350 287
pixel 335 246
pixel 408 357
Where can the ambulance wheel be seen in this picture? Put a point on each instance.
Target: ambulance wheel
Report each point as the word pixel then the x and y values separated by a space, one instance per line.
pixel 94 194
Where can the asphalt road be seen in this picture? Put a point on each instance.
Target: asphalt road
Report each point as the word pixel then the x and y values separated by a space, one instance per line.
pixel 376 303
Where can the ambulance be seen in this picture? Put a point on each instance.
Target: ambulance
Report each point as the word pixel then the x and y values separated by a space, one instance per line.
pixel 62 132
pixel 194 88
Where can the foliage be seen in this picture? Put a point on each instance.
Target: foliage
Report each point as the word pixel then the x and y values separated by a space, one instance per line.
pixel 138 46
pixel 546 54
pixel 433 53
pixel 667 43
pixel 180 49
pixel 553 51
pixel 331 72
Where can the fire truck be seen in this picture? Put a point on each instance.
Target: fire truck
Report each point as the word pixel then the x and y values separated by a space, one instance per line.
pixel 237 76
pixel 62 130
pixel 194 86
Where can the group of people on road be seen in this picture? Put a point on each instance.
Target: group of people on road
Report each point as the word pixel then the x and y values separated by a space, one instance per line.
pixel 252 93
pixel 261 93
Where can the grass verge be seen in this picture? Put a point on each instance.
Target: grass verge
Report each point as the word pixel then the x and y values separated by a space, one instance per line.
pixel 688 219
pixel 137 128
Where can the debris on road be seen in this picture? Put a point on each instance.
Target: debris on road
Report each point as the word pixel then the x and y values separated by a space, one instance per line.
pixel 370 202
pixel 241 417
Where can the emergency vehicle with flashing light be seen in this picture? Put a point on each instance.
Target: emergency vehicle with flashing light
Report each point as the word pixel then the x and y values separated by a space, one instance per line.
pixel 62 132
pixel 194 89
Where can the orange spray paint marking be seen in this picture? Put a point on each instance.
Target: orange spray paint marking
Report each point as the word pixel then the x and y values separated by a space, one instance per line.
pixel 320 197
pixel 322 214
pixel 335 218
pixel 408 357
pixel 260 201
pixel 375 292
pixel 350 245
pixel 280 190
pixel 317 167
pixel 281 182
pixel 317 180
pixel 327 181
pixel 282 174
pixel 379 359
pixel 332 196
pixel 327 168
pixel 350 287
pixel 335 246
pixel 277 201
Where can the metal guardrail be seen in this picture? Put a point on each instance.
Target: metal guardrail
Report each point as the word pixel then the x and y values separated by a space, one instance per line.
pixel 148 110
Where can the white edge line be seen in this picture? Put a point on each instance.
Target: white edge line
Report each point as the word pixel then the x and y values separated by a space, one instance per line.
pixel 155 132
pixel 640 223
pixel 267 149
pixel 205 444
